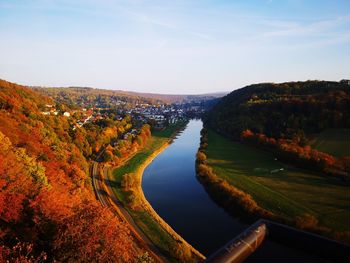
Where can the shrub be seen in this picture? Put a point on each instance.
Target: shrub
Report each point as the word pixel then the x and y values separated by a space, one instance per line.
pixel 128 182
pixel 306 221
pixel 182 252
pixel 134 199
pixel 144 258
pixel 201 157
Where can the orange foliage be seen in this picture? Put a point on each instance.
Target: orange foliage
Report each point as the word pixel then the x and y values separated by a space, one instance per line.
pixel 15 182
pixel 92 233
pixel 303 156
pixel 46 205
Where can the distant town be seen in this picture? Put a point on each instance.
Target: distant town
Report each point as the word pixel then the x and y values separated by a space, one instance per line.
pixel 159 116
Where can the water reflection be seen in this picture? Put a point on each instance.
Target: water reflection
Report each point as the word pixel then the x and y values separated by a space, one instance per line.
pixel 171 187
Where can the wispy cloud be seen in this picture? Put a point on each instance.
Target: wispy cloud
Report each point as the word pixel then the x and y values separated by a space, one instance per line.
pixel 292 35
pixel 319 28
pixel 147 19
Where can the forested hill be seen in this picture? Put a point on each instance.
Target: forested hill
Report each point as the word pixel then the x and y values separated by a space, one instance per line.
pixel 89 97
pixel 288 110
pixel 48 211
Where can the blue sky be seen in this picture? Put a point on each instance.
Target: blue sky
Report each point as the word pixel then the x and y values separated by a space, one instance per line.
pixel 178 46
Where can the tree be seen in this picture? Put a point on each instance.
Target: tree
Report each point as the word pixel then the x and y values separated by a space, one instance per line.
pixel 90 233
pixel 144 258
pixel 128 181
pixel 201 157
pixel 107 156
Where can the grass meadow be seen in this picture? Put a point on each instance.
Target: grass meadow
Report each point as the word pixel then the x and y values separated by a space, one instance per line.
pixel 333 141
pixel 280 188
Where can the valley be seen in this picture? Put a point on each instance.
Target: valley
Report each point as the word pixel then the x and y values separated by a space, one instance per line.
pixel 174 131
pixel 149 180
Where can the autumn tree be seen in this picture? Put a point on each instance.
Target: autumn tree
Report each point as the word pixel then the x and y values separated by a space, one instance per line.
pixel 92 233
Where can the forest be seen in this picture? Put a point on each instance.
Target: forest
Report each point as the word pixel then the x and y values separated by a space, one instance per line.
pixel 89 97
pixel 102 98
pixel 284 117
pixel 48 210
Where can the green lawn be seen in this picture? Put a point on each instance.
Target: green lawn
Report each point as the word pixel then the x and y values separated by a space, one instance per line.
pixel 277 187
pixel 333 141
pixel 170 130
pixel 144 220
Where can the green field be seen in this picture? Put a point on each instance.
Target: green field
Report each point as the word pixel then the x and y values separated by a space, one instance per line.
pixel 333 141
pixel 277 187
pixel 170 130
pixel 143 219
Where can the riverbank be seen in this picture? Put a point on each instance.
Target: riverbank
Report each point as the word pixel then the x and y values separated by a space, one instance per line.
pixel 292 196
pixel 162 235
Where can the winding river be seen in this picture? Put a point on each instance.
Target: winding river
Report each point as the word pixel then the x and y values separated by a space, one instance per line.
pixel 171 187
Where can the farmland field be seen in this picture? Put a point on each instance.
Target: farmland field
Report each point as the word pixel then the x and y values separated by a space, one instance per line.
pixel 333 141
pixel 282 189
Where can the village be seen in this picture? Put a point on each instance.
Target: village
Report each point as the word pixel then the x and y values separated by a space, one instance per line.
pixel 159 116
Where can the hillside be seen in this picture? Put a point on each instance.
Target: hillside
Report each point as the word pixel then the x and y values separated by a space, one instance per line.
pixel 256 139
pixel 286 118
pixel 84 96
pixel 287 110
pixel 48 211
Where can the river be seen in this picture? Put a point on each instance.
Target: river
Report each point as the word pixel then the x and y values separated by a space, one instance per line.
pixel 171 187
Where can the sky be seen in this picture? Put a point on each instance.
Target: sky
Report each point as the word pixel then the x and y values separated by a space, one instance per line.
pixel 173 47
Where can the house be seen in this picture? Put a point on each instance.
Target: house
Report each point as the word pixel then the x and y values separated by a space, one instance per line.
pixel 66 114
pixel 345 81
pixel 126 136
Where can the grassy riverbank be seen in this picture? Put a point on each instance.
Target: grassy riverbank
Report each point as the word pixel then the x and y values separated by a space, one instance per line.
pixel 283 190
pixel 143 214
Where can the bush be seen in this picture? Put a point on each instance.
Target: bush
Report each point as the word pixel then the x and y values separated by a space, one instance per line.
pixel 144 258
pixel 182 252
pixel 306 221
pixel 201 157
pixel 128 182
pixel 134 200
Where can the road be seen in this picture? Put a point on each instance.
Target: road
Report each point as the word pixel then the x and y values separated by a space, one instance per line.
pixel 108 199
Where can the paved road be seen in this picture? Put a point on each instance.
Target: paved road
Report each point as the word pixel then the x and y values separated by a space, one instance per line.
pixel 107 198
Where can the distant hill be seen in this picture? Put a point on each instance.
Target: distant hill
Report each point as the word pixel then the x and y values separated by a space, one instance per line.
pixel 286 110
pixel 85 96
pixel 172 98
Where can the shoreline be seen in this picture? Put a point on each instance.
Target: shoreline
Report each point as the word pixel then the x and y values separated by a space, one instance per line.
pixel 146 206
pixel 236 201
pixel 121 213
